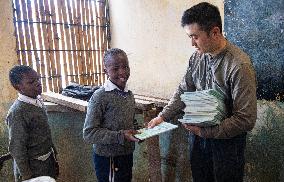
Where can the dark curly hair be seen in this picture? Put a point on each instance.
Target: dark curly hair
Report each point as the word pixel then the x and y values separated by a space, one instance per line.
pixel 204 14
pixel 16 73
pixel 111 53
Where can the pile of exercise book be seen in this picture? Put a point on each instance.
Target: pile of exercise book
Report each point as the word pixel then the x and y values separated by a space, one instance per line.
pixel 203 108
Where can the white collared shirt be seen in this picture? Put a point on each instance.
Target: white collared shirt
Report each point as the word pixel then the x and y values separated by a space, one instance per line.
pixel 109 86
pixel 36 102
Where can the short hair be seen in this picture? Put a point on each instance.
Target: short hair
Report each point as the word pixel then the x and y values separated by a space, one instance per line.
pixel 204 14
pixel 111 53
pixel 16 73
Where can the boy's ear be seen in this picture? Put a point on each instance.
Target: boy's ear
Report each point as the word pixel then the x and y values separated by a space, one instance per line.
pixel 17 87
pixel 105 70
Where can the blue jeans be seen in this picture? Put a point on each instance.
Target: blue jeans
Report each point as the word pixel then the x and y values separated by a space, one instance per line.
pixel 217 160
pixel 118 168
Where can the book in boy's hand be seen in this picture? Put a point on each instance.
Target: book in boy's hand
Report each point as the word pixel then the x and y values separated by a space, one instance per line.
pixel 145 133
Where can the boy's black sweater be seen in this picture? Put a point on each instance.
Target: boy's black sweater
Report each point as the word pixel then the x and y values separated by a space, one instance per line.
pixel 108 114
pixel 29 134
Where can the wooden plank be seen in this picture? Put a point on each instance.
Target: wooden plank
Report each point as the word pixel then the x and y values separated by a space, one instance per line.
pixel 31 25
pixel 27 34
pixel 53 107
pixel 50 39
pixel 20 33
pixel 73 103
pixel 85 28
pixel 88 46
pixel 55 40
pixel 107 28
pixel 75 54
pixel 93 45
pixel 98 39
pixel 45 45
pixel 40 46
pixel 82 32
pixel 79 42
pixel 60 10
pixel 67 30
pixel 81 105
pixel 102 20
pixel 16 32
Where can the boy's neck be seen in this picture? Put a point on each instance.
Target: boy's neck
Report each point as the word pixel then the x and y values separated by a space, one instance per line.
pixel 121 88
pixel 28 96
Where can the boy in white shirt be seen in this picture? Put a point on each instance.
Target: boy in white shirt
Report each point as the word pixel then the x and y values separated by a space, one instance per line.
pixel 30 142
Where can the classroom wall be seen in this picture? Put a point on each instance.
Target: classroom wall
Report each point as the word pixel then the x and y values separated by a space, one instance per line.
pixel 157 46
pixel 7 57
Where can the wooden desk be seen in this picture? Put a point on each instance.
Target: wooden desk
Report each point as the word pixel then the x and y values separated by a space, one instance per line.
pixel 148 106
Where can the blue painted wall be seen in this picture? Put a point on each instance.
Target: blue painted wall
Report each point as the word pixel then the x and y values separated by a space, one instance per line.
pixel 258 28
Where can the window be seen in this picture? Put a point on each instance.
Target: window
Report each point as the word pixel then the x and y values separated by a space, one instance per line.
pixel 63 40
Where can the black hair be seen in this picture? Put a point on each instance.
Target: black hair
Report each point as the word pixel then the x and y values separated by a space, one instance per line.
pixel 204 14
pixel 16 73
pixel 111 53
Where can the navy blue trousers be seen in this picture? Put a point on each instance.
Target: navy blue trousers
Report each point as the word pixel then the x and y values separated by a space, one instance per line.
pixel 118 168
pixel 217 160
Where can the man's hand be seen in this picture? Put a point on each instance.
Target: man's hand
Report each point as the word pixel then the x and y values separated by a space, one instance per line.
pixel 155 121
pixel 193 129
pixel 128 135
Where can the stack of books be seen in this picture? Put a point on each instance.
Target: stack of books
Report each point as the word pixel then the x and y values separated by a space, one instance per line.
pixel 203 108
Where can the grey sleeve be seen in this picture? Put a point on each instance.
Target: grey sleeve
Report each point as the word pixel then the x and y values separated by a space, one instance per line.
pixel 18 136
pixel 175 105
pixel 93 131
pixel 244 111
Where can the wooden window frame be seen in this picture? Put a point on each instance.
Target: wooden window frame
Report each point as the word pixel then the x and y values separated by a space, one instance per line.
pixel 63 40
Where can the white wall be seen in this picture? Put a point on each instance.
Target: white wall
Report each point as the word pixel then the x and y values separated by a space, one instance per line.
pixel 157 46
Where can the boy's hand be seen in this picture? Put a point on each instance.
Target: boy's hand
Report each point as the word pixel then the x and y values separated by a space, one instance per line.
pixel 128 135
pixel 155 121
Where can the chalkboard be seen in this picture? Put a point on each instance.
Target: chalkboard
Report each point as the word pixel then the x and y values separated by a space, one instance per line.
pixel 258 28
